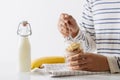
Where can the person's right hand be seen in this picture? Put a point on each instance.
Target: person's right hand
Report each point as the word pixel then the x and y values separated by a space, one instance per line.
pixel 67 25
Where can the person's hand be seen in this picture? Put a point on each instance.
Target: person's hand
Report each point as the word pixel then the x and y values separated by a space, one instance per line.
pixel 88 62
pixel 67 25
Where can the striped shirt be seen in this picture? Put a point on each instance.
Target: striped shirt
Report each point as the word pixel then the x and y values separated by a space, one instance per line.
pixel 101 23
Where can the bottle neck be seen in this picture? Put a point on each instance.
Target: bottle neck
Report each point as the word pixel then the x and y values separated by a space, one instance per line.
pixel 24 38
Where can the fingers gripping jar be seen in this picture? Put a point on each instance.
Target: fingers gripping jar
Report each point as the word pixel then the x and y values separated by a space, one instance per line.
pixel 72 49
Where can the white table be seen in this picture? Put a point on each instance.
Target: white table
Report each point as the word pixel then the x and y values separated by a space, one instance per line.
pixel 8 72
pixel 42 76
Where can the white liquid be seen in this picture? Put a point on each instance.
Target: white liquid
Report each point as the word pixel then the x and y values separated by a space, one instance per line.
pixel 24 55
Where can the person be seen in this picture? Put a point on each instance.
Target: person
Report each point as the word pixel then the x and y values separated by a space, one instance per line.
pixel 100 21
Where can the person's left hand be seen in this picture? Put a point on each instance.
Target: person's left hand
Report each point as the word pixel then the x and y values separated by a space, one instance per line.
pixel 88 62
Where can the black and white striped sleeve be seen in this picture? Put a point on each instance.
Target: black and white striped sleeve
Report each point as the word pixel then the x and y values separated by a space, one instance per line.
pixel 114 63
pixel 87 35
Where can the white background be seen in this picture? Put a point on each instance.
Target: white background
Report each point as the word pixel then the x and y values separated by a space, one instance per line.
pixel 43 16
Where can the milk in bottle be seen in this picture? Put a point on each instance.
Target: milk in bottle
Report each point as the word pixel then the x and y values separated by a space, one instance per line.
pixel 24 30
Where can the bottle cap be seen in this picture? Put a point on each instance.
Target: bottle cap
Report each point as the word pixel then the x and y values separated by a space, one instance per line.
pixel 24 29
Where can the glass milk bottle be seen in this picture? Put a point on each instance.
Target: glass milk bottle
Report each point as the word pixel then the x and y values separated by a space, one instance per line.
pixel 24 31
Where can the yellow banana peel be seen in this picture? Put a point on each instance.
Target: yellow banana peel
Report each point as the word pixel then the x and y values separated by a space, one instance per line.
pixel 37 63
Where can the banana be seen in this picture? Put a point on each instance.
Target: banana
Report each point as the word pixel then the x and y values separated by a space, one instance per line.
pixel 37 63
pixel 73 46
